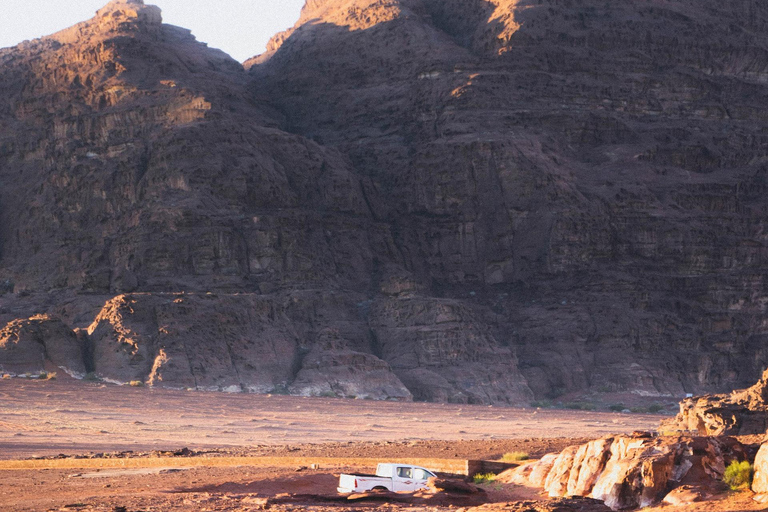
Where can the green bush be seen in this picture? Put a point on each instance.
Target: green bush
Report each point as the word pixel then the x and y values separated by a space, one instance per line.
pixel 654 408
pixel 484 478
pixel 544 404
pixel 617 407
pixel 738 475
pixel 515 456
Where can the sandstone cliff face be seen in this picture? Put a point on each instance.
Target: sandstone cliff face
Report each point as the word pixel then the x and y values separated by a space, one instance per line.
pixel 153 170
pixel 475 201
pixel 137 160
pixel 629 472
pixel 305 343
pixel 590 172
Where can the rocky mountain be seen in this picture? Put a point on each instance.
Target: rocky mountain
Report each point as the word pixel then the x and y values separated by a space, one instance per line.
pixel 476 201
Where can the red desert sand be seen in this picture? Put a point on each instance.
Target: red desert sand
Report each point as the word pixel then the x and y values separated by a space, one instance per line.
pixel 96 447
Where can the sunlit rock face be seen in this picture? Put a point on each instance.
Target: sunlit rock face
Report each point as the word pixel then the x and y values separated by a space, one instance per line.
pixel 470 201
pixel 740 412
pixel 637 471
pixel 136 160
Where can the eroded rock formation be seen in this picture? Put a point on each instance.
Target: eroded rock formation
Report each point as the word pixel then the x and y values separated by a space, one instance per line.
pixel 27 345
pixel 741 412
pixel 628 472
pixel 760 479
pixel 475 201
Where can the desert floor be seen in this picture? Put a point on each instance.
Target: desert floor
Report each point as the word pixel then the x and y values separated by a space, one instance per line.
pixel 89 446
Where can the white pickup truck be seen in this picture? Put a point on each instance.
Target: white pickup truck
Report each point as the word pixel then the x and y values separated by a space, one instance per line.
pixel 392 477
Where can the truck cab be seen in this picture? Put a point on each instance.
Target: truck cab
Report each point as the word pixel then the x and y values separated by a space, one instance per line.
pixel 404 477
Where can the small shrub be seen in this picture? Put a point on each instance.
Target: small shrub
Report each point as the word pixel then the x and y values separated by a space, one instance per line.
pixel 47 375
pixel 617 407
pixel 6 376
pixel 738 475
pixel 544 404
pixel 654 408
pixel 136 384
pixel 484 478
pixel 515 456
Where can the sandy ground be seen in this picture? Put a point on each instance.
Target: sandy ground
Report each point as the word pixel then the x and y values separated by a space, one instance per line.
pixel 251 452
pixel 52 417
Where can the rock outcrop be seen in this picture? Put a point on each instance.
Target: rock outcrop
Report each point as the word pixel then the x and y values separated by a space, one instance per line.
pixel 740 412
pixel 760 479
pixel 628 472
pixel 246 342
pixel 471 201
pixel 27 345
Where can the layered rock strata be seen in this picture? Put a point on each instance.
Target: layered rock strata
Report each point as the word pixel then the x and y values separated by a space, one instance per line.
pixel 590 172
pixel 628 472
pixel 470 201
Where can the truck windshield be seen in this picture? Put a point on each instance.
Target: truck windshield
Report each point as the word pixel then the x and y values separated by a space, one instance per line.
pixel 421 474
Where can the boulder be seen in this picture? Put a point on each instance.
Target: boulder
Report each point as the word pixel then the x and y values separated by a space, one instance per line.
pixel 741 412
pixel 27 346
pixel 635 471
pixel 532 473
pixel 556 483
pixel 760 480
pixel 684 495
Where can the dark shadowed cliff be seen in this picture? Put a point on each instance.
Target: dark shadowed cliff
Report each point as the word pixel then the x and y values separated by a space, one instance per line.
pixel 474 201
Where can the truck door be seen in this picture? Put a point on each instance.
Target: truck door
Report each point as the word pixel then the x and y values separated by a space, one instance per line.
pixel 403 479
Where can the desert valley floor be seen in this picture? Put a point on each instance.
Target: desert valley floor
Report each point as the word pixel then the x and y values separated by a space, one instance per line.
pixel 96 447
